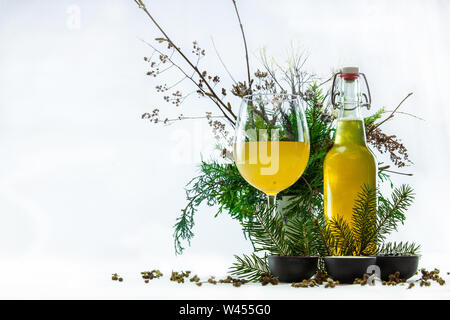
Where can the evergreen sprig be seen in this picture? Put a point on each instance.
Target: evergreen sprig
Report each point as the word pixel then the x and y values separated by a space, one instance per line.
pixel 303 235
pixel 340 237
pixel 267 232
pixel 364 220
pixel 391 213
pixel 249 266
pixel 306 233
pixel 369 225
pixel 400 248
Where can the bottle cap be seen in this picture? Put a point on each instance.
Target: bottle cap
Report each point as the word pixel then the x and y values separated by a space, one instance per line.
pixel 352 70
pixel 350 73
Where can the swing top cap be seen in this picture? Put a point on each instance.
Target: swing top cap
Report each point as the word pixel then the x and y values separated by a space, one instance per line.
pixel 350 73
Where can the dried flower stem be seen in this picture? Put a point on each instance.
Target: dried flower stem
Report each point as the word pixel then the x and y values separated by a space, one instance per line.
pixel 193 118
pixel 401 173
pixel 231 117
pixel 221 61
pixel 406 114
pixel 385 168
pixel 245 45
pixel 391 115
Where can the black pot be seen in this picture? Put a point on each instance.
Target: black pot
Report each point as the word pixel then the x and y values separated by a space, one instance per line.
pixel 406 265
pixel 292 268
pixel 346 268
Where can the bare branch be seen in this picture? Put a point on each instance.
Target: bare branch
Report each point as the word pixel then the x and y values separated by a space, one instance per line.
pixel 391 115
pixel 221 61
pixel 245 46
pixel 227 112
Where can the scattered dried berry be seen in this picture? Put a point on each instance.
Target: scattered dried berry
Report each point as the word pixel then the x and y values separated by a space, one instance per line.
pixel 428 276
pixel 267 278
pixel 234 281
pixel 116 277
pixel 179 276
pixel 321 277
pixel 149 275
pixel 212 280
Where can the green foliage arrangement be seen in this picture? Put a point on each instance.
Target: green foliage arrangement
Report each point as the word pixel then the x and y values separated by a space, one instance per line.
pixel 302 235
pixel 300 228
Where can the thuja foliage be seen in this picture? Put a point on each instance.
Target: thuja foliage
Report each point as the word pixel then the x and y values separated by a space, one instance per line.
pixel 217 185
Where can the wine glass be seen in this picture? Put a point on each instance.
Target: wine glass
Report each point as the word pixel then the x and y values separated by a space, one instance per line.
pixel 271 143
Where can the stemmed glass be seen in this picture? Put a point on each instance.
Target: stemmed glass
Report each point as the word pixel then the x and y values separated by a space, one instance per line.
pixel 271 146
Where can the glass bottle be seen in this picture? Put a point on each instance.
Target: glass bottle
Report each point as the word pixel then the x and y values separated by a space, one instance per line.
pixel 350 164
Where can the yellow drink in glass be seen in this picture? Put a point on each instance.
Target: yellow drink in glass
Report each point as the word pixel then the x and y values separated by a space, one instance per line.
pixel 271 166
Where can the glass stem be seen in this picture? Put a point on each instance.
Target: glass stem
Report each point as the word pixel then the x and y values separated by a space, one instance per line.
pixel 272 203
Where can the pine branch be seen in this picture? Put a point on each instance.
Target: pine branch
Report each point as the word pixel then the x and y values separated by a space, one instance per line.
pixel 364 221
pixel 319 228
pixel 267 232
pixel 302 234
pixel 394 249
pixel 342 241
pixel 370 226
pixel 391 213
pixel 249 267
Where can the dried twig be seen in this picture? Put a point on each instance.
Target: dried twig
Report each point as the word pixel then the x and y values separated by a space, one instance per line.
pixel 245 46
pixel 226 111
pixel 221 61
pixel 391 115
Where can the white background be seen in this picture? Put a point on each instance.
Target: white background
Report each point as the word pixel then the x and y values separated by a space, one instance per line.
pixel 87 188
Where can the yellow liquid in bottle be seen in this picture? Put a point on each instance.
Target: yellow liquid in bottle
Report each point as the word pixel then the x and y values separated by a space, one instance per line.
pixel 271 166
pixel 347 167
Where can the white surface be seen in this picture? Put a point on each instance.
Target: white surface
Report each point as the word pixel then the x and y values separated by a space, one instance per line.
pixel 85 281
pixel 87 188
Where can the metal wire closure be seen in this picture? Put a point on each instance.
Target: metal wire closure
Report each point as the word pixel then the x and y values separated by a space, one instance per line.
pixel 368 103
pixel 367 97
pixel 334 94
